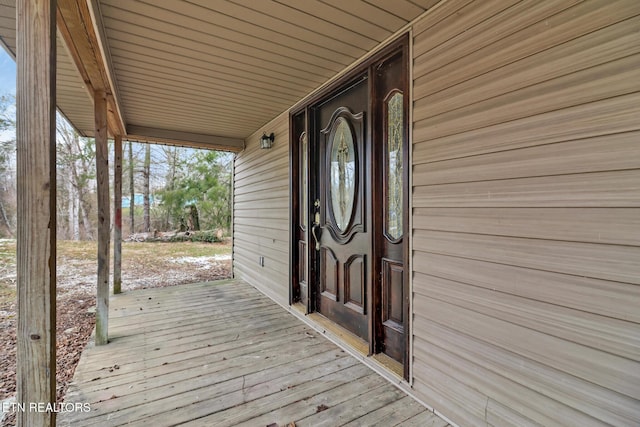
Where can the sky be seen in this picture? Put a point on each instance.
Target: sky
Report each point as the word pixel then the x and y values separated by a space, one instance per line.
pixel 7 73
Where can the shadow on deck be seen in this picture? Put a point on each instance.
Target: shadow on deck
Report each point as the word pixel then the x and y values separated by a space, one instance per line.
pixel 221 353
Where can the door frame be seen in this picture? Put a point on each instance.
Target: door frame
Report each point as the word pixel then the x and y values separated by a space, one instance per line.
pixel 305 110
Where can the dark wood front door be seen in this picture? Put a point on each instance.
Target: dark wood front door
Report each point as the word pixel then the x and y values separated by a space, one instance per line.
pixel 350 205
pixel 341 222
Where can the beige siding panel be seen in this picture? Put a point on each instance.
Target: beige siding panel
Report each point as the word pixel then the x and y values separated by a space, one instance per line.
pixel 261 212
pixel 532 406
pixel 580 259
pixel 611 299
pixel 491 49
pixel 500 415
pixel 263 169
pixel 593 84
pixel 446 394
pixel 587 329
pixel 602 46
pixel 467 16
pixel 526 189
pixel 261 186
pixel 609 116
pixel 268 203
pixel 262 196
pixel 598 154
pixel 272 251
pixel 540 400
pixel 443 10
pixel 608 370
pixel 267 280
pixel 568 224
pixel 274 224
pixel 606 189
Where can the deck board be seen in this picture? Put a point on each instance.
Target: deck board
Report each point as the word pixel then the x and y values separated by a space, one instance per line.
pixel 221 353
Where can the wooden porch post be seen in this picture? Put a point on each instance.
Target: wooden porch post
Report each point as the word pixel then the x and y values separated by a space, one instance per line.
pixel 104 222
pixel 36 245
pixel 117 223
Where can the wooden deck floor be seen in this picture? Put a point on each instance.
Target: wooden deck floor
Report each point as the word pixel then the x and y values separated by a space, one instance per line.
pixel 221 353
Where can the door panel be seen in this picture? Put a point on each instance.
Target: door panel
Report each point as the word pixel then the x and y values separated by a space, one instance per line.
pixel 355 281
pixel 330 274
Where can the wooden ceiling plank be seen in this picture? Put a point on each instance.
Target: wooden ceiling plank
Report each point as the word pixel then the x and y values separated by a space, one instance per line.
pixel 148 115
pixel 196 30
pixel 9 43
pixel 184 116
pixel 196 99
pixel 208 16
pixel 165 42
pixel 140 100
pixel 230 91
pixel 170 42
pixel 375 17
pixel 402 8
pixel 130 55
pixel 297 25
pixel 232 131
pixel 426 4
pixel 212 79
pixel 136 44
pixel 316 17
pixel 184 138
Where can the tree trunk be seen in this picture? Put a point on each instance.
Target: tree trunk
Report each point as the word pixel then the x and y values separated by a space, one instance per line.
pixel 146 174
pixel 74 222
pixel 5 219
pixel 132 191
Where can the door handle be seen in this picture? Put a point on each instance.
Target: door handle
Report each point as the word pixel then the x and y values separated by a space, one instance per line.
pixel 314 229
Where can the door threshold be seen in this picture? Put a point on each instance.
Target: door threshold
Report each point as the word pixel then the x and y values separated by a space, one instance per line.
pixel 346 336
pixel 357 344
pixel 389 363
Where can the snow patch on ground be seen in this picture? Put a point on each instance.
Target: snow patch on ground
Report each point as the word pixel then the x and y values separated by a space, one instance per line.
pixel 203 262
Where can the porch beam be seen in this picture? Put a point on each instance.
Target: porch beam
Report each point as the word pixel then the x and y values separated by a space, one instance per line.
pixel 36 245
pixel 104 222
pixel 180 138
pixel 117 222
pixel 78 26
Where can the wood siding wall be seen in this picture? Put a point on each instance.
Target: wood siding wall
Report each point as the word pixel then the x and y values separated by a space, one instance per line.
pixel 261 212
pixel 526 212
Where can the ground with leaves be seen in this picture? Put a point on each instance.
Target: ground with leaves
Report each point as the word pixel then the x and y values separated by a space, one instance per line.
pixel 145 265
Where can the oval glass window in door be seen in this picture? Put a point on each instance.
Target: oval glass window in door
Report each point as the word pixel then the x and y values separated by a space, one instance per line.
pixel 343 173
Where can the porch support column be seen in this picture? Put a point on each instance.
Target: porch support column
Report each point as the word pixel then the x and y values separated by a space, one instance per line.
pixel 104 222
pixel 117 223
pixel 36 245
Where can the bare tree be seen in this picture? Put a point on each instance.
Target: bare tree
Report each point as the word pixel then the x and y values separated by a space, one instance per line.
pixel 146 174
pixel 75 159
pixel 7 166
pixel 132 190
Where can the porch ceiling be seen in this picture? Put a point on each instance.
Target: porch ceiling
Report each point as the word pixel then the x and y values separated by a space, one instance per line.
pixel 220 68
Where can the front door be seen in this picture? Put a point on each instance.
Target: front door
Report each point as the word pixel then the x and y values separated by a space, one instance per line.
pixel 341 222
pixel 350 153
